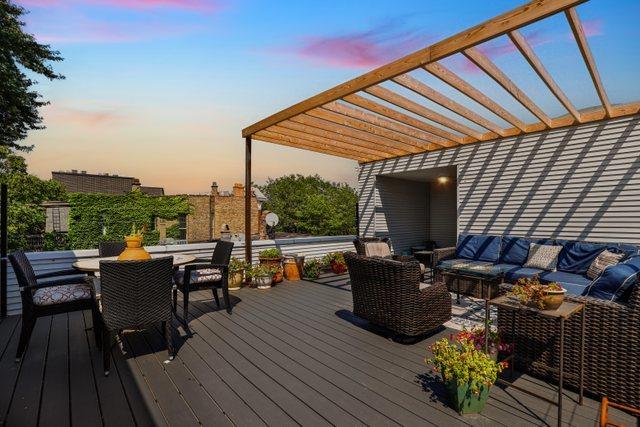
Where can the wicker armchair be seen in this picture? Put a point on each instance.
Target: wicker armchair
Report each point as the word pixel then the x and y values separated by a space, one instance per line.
pixel 45 298
pixel 212 275
pixel 134 294
pixel 388 293
pixel 107 249
pixel 612 346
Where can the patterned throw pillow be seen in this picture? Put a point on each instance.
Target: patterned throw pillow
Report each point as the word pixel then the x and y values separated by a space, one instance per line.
pixel 544 257
pixel 602 261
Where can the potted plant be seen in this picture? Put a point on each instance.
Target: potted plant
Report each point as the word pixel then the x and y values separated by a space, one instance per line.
pixel 467 373
pixel 312 269
pixel 496 345
pixel 134 249
pixel 261 275
pixel 236 273
pixel 272 257
pixel 532 293
pixel 336 261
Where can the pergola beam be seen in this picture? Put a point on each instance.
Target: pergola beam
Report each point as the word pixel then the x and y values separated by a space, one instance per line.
pixel 409 105
pixel 288 141
pixel 382 122
pixel 486 65
pixel 527 51
pixel 497 26
pixel 452 79
pixel 585 51
pixel 401 117
pixel 422 89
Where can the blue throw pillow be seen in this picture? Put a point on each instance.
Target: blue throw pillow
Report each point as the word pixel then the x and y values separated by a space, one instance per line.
pixel 514 250
pixel 478 247
pixel 615 281
pixel 576 256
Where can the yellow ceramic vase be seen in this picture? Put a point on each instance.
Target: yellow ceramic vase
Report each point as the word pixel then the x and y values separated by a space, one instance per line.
pixel 134 250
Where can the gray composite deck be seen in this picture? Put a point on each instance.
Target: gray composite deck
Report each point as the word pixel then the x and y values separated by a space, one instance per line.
pixel 292 355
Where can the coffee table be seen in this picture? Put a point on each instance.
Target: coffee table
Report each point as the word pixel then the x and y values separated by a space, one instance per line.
pixel 562 313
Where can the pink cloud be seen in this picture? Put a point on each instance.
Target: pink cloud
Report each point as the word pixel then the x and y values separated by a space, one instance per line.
pixel 369 48
pixel 195 5
pixel 593 27
pixel 81 117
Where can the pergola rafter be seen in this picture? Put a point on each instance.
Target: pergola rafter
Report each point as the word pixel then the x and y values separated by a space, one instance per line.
pixel 364 120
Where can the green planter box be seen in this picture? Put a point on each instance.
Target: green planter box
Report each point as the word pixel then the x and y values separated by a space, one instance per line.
pixel 463 400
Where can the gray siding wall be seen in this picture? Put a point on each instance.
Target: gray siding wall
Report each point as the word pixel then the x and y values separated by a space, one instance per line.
pixel 443 214
pixel 402 212
pixel 574 183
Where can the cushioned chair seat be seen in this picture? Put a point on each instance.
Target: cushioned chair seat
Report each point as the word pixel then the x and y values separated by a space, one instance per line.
pixel 575 284
pixel 198 276
pixel 449 263
pixel 61 294
pixel 520 272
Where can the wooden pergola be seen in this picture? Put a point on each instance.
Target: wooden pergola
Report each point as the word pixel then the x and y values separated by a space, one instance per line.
pixel 343 123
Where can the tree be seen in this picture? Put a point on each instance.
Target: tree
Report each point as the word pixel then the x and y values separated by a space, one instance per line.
pixel 311 205
pixel 18 102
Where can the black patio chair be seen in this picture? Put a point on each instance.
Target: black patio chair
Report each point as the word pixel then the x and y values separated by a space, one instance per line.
pixel 45 298
pixel 133 295
pixel 212 275
pixel 107 249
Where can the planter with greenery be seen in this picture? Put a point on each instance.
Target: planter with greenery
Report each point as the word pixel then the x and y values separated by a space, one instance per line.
pixel 134 249
pixel 532 293
pixel 236 273
pixel 496 345
pixel 335 260
pixel 272 257
pixel 312 269
pixel 467 372
pixel 261 275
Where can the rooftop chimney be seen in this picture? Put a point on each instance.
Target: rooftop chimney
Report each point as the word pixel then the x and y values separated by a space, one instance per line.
pixel 83 172
pixel 238 190
pixel 74 170
pixel 214 188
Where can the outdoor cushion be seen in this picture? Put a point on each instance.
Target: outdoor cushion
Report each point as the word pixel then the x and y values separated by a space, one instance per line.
pixel 576 256
pixel 629 249
pixel 514 274
pixel 62 293
pixel 575 284
pixel 449 263
pixel 602 261
pixel 507 267
pixel 380 249
pixel 544 257
pixel 514 250
pixel 478 247
pixel 199 276
pixel 615 281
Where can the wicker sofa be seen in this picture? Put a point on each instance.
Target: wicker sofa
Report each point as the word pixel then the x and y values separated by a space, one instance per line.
pixel 612 340
pixel 388 293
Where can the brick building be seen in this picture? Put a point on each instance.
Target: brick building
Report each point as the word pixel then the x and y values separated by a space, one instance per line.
pixel 218 214
pixel 83 182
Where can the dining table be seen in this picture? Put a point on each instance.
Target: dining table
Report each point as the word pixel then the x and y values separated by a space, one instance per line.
pixel 92 265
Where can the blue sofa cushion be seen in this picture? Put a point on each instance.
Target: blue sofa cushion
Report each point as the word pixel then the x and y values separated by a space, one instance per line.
pixel 616 281
pixel 514 274
pixel 576 257
pixel 478 247
pixel 514 250
pixel 575 284
pixel 629 249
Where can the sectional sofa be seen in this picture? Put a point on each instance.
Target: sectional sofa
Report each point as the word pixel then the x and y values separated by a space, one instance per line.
pixel 612 301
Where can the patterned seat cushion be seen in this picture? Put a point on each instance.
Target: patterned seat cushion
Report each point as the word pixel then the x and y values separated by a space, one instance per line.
pixel 544 257
pixel 61 294
pixel 204 275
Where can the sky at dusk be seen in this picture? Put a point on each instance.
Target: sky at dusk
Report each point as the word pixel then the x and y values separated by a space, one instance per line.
pixel 161 89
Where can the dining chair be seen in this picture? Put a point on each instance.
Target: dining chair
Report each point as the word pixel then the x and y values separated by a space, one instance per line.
pixel 212 275
pixel 108 249
pixel 133 295
pixel 48 297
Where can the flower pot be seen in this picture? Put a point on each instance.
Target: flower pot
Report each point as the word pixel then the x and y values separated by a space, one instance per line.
pixel 553 299
pixel 291 268
pixel 134 250
pixel 338 268
pixel 276 262
pixel 235 280
pixel 263 282
pixel 463 400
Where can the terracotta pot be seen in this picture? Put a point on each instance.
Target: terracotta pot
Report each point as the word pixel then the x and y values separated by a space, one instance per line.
pixel 235 280
pixel 553 299
pixel 337 267
pixel 291 268
pixel 134 250
pixel 263 282
pixel 275 262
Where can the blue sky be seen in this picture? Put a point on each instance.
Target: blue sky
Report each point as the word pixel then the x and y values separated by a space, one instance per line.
pixel 160 89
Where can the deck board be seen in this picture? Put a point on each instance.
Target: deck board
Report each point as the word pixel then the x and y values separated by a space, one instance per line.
pixel 292 355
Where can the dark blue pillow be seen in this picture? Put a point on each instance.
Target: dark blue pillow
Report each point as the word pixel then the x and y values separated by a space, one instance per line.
pixel 478 247
pixel 514 250
pixel 576 256
pixel 615 281
pixel 628 249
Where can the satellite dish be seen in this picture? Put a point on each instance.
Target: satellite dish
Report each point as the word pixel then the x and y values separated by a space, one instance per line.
pixel 271 219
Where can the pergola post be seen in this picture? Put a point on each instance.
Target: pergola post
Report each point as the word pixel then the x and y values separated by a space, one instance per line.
pixel 247 200
pixel 4 204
